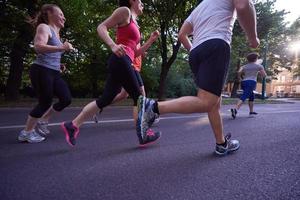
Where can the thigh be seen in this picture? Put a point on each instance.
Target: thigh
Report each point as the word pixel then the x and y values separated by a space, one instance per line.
pixel 111 89
pixel 209 63
pixel 61 88
pixel 139 78
pixel 123 73
pixel 247 90
pixel 42 80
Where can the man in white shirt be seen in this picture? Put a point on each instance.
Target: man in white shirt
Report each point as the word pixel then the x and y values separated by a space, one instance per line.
pixel 211 24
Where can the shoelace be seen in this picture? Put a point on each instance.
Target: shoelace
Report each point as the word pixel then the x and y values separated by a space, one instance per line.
pixel 228 136
pixel 150 132
pixel 35 134
pixel 42 123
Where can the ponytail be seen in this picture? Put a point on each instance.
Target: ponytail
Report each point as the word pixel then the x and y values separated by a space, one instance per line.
pixel 42 15
pixel 124 3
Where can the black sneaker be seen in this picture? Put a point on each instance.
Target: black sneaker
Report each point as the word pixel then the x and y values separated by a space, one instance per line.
pixel 252 114
pixel 150 138
pixel 233 113
pixel 231 146
pixel 71 132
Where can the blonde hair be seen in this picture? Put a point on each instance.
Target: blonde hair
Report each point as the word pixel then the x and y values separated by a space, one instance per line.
pixel 42 16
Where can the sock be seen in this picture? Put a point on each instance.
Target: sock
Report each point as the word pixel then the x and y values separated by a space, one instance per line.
pixel 27 132
pixel 223 144
pixel 155 108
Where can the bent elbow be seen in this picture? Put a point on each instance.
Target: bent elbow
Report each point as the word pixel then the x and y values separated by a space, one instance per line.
pixel 241 5
pixel 37 48
pixel 181 37
pixel 101 28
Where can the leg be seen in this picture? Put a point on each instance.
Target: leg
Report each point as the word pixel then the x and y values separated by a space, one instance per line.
pixel 42 80
pixel 204 102
pixel 216 123
pixel 209 63
pixel 251 100
pixel 87 112
pixel 62 91
pixel 112 87
pixel 239 104
pixel 48 114
pixel 71 129
pixel 245 95
pixel 122 95
pixel 135 110
pixel 251 105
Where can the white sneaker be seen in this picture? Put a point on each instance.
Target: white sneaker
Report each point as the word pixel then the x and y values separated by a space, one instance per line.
pixel 42 127
pixel 31 137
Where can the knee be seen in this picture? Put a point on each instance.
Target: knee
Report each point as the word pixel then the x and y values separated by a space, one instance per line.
pixel 40 109
pixel 211 105
pixel 67 102
pixel 62 104
pixel 124 95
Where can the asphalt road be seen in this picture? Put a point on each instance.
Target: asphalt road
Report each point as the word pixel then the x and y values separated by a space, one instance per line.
pixel 107 164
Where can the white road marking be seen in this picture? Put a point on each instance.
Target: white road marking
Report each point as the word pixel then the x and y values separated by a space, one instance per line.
pixel 162 118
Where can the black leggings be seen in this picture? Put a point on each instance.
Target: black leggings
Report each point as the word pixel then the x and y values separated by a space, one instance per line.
pixel 47 83
pixel 120 74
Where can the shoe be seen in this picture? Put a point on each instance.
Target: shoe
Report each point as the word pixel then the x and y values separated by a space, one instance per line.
pixel 233 113
pixel 71 132
pixel 156 120
pixel 42 128
pixel 146 116
pixel 95 117
pixel 150 138
pixel 252 114
pixel 31 137
pixel 231 146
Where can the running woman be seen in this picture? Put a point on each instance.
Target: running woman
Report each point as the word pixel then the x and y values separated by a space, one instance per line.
pixel 137 66
pixel 248 84
pixel 121 73
pixel 45 73
pixel 211 25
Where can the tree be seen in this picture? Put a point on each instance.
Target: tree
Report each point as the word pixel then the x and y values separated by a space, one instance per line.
pixel 169 16
pixel 272 31
pixel 14 21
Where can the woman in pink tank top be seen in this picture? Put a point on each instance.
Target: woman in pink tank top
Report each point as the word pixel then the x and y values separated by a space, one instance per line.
pixel 121 73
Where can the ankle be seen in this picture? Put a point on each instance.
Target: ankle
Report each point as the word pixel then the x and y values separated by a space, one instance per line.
pixel 224 144
pixel 26 131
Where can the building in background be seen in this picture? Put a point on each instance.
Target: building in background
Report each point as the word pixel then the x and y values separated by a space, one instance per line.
pixel 287 84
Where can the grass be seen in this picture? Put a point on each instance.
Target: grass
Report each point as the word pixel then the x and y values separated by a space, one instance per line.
pixel 80 102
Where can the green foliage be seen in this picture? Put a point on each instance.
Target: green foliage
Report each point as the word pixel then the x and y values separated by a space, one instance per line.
pixel 86 66
pixel 272 31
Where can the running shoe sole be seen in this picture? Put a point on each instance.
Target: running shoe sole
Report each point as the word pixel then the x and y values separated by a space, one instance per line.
pixel 150 143
pixel 227 152
pixel 67 134
pixel 141 101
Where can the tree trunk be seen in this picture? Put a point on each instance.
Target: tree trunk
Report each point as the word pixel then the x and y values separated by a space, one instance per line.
pixel 162 82
pixel 15 73
pixel 164 71
pixel 166 63
pixel 17 55
pixel 236 80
